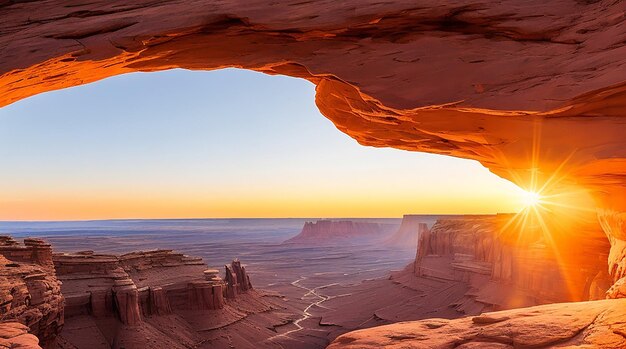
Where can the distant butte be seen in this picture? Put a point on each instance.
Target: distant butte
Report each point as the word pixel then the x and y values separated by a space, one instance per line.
pixel 329 232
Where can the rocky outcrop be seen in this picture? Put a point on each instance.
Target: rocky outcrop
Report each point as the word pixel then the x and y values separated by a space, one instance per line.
pixel 237 280
pixel 330 232
pixel 506 270
pixel 571 325
pixel 30 293
pixel 139 284
pixel 122 297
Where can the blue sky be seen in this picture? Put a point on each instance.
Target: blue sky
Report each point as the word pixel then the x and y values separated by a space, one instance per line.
pixel 227 143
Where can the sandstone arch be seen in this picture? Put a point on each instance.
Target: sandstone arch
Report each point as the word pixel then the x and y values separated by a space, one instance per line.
pixel 524 87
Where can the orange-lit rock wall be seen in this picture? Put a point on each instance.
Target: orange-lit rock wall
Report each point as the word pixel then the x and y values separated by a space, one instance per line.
pixel 522 270
pixel 534 90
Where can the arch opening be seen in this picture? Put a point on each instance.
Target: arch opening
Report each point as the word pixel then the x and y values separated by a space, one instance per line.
pixel 538 102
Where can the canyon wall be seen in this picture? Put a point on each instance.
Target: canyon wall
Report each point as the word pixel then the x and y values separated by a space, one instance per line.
pixel 30 293
pixel 158 299
pixel 137 284
pixel 506 270
pixel 90 300
pixel 331 232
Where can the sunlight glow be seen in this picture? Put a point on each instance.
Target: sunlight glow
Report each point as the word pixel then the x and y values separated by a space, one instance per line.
pixel 531 198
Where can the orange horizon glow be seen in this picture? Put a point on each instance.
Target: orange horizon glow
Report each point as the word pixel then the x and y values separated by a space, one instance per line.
pixel 159 207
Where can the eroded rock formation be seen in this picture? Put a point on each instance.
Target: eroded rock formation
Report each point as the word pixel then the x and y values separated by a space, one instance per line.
pixel 331 232
pixel 30 293
pixel 121 300
pixel 534 90
pixel 156 299
pixel 528 88
pixel 506 270
pixel 139 284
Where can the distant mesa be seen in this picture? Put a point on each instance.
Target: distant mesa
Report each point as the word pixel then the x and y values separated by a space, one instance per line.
pixel 326 231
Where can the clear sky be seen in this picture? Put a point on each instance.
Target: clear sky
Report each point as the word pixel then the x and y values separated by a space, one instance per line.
pixel 228 143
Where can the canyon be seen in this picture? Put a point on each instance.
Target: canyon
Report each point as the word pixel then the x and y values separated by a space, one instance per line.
pixel 533 90
pixel 461 266
pixel 157 298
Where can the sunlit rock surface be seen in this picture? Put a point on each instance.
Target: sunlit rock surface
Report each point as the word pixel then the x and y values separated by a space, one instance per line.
pixel 505 270
pixel 596 324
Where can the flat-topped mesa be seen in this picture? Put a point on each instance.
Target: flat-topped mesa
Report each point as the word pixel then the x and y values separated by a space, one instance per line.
pixel 135 287
pixel 329 232
pixel 30 293
pixel 137 284
pixel 505 270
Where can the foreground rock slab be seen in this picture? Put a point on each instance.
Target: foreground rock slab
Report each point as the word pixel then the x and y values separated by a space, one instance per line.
pixel 596 324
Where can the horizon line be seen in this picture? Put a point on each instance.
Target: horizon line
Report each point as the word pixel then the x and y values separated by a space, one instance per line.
pixel 233 218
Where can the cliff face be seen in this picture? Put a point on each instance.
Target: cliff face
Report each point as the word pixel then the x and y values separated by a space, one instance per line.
pixel 138 287
pixel 477 264
pixel 329 232
pixel 30 293
pixel 506 270
pixel 158 299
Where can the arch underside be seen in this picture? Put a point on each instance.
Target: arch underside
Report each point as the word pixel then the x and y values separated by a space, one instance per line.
pixel 528 88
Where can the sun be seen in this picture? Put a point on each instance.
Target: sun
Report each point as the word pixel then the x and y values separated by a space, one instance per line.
pixel 531 198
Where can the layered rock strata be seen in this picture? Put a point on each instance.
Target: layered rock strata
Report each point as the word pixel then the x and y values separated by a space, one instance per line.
pixel 140 284
pixel 30 293
pixel 506 270
pixel 121 298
